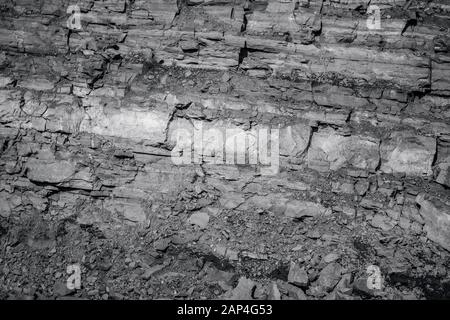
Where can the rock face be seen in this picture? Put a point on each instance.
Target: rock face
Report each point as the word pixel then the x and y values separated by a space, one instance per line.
pixel 297 276
pixel 158 142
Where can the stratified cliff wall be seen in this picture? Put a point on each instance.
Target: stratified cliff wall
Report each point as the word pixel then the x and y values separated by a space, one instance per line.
pixel 87 123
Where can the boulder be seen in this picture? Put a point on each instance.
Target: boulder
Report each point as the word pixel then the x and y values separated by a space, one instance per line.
pixel 330 276
pixel 200 219
pixel 297 209
pixel 49 171
pixel 294 139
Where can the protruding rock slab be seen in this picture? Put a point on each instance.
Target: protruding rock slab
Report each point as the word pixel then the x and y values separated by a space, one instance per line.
pixel 444 174
pixel 437 220
pixel 294 139
pixel 243 290
pixel 406 152
pixel 332 151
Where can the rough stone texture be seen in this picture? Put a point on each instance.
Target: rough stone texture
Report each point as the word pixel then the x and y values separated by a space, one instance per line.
pixel 444 174
pixel 200 219
pixel 88 123
pixel 408 153
pixel 297 276
pixel 437 220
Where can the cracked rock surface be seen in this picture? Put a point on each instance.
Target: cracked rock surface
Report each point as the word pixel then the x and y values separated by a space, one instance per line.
pixel 87 122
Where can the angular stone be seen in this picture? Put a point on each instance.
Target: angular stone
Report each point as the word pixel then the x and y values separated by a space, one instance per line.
pixel 162 11
pixel 331 151
pixel 274 292
pixel 132 123
pixel 4 81
pixel 297 275
pixel 444 174
pixel 231 200
pixel 261 202
pixel 243 290
pixel 149 272
pixel 331 257
pixel 408 153
pixel 294 139
pixel 5 205
pixel 298 209
pixel 219 276
pixel 60 289
pixel 330 276
pixel 344 187
pixel 49 171
pixel 189 45
pixel 200 219
pixel 362 186
pixel 64 118
pixel 130 210
pixel 294 292
pixel 360 285
pixel 382 222
pixel 161 244
pixel 437 219
pixel 9 106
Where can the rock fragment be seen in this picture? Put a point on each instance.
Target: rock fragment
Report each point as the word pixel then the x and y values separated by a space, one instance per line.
pixel 408 153
pixel 200 219
pixel 243 290
pixel 297 275
pixel 437 219
pixel 330 276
